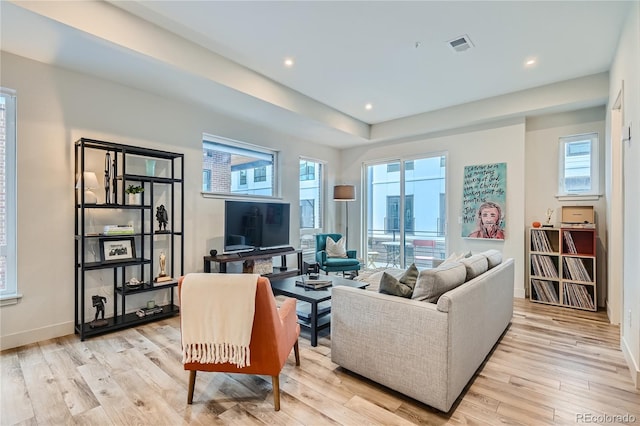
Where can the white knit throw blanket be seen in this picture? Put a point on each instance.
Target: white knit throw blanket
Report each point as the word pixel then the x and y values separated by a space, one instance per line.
pixel 216 318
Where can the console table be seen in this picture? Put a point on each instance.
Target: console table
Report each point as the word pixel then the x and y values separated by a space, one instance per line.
pixel 279 271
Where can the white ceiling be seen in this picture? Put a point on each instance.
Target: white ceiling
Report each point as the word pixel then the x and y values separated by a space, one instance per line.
pixel 392 54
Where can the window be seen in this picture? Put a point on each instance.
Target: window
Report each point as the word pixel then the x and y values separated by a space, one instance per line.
pixel 8 144
pixel 206 180
pixel 307 170
pixel 307 214
pixel 311 206
pixel 229 163
pixel 405 201
pixel 395 167
pixel 578 171
pixel 260 174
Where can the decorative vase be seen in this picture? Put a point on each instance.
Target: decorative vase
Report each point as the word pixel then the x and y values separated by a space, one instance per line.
pixel 135 199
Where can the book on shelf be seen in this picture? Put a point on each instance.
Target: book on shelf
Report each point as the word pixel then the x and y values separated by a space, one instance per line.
pixel 144 312
pixel 313 284
pixel 118 230
pixel 543 266
pixel 577 295
pixel 545 290
pixel 540 241
pixel 573 269
pixel 568 239
pixel 159 281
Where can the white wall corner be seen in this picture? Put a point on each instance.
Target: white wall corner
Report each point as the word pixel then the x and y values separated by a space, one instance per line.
pixel 633 364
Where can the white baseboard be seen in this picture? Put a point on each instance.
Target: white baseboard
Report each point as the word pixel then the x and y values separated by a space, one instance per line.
pixel 32 336
pixel 519 293
pixel 631 362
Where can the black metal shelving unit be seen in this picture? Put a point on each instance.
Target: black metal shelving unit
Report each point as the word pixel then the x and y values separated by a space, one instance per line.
pixel 168 189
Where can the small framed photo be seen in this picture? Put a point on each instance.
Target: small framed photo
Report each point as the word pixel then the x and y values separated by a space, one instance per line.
pixel 117 249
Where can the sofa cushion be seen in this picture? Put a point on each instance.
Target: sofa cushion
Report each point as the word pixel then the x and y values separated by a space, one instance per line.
pixel 391 285
pixel 432 283
pixel 454 257
pixel 494 258
pixel 336 248
pixel 475 265
pixel 410 276
pixel 402 286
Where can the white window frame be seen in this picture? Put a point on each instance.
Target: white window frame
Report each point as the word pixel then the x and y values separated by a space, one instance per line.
pixel 594 169
pixel 10 294
pixel 239 147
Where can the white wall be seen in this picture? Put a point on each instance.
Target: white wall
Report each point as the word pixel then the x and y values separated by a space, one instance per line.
pixel 55 108
pixel 541 175
pixel 625 71
pixel 503 142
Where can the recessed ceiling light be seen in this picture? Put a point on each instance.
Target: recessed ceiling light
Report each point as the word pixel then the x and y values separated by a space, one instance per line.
pixel 530 62
pixel 288 62
pixel 368 107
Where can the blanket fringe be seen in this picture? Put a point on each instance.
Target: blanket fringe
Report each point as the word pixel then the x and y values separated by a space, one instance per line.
pixel 216 353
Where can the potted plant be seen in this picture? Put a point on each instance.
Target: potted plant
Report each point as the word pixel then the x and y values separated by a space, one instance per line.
pixel 135 194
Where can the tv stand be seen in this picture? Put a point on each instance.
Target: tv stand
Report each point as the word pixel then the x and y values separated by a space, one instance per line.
pixel 280 271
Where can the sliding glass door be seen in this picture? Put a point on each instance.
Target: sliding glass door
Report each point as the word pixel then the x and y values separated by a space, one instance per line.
pixel 406 212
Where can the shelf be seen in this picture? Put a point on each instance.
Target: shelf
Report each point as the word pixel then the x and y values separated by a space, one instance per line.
pixel 129 320
pixel 114 263
pixel 145 178
pixel 128 149
pixel 147 287
pixel 125 165
pixel 571 252
pixel 114 206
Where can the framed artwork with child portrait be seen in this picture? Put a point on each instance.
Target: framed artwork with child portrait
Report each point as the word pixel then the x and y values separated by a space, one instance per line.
pixel 483 201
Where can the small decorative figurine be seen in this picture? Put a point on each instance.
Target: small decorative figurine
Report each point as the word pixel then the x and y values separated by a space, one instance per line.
pixel 98 303
pixel 162 276
pixel 547 224
pixel 162 217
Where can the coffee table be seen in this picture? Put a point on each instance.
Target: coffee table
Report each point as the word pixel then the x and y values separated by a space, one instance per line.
pixel 316 319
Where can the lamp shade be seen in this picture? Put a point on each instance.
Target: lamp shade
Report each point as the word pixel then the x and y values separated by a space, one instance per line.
pixel 344 193
pixel 90 181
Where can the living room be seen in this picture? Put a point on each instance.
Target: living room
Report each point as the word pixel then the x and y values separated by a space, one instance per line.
pixel 58 106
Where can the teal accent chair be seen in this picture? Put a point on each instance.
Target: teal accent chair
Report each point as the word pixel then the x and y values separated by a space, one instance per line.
pixel 335 264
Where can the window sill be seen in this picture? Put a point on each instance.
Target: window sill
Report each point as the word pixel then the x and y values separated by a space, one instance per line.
pixel 10 300
pixel 582 197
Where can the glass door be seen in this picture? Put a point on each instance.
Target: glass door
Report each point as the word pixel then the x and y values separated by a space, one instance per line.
pixel 405 212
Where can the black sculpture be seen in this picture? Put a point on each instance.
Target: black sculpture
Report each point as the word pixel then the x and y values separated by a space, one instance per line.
pixel 98 303
pixel 163 217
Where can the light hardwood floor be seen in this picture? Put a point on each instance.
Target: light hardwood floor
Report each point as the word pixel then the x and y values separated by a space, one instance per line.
pixel 552 366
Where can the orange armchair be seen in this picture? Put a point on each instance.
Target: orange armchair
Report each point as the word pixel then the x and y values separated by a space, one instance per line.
pixel 275 331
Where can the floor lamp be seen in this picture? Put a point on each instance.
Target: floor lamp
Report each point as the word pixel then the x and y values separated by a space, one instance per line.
pixel 345 193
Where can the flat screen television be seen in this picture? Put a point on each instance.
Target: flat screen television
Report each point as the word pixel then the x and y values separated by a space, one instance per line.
pixel 254 225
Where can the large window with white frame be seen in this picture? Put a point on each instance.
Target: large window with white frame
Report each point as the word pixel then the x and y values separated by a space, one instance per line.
pixel 8 146
pixel 236 168
pixel 578 165
pixel 311 206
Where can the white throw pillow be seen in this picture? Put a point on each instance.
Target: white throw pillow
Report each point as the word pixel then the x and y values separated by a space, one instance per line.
pixel 336 249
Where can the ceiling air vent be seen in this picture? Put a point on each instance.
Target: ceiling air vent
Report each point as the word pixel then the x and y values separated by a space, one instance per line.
pixel 460 44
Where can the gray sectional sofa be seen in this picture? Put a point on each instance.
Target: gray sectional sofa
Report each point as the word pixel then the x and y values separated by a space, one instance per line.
pixel 428 351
